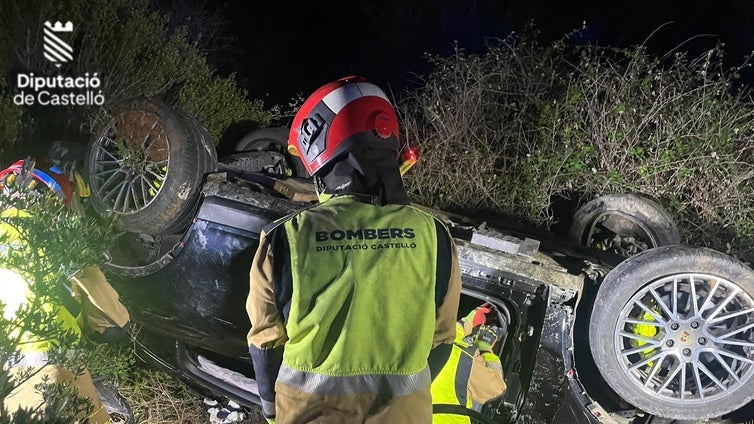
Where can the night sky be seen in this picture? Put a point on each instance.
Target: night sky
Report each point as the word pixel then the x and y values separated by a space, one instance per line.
pixel 290 47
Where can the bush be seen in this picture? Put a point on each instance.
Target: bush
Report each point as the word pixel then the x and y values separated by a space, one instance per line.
pixel 479 112
pixel 526 125
pixel 10 122
pixel 45 245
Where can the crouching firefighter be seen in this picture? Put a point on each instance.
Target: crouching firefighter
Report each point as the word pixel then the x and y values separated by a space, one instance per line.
pixel 352 301
pixel 89 307
pixel 473 374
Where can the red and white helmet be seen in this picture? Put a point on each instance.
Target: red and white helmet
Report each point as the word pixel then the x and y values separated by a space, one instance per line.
pixel 33 173
pixel 338 115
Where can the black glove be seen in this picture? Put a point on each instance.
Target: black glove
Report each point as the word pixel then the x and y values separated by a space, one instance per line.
pixel 485 338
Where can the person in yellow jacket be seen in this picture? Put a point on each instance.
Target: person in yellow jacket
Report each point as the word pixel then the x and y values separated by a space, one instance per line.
pixel 473 374
pixel 94 307
pixel 352 301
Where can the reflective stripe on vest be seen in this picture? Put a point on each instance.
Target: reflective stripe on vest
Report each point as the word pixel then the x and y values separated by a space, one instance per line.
pixel 268 408
pixel 463 374
pixel 450 388
pixel 363 289
pixel 395 385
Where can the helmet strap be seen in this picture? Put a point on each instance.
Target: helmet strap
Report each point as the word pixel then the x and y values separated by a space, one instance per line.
pixel 365 170
pixel 319 186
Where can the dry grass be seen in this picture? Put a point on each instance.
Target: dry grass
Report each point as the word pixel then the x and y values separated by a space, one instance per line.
pixel 158 398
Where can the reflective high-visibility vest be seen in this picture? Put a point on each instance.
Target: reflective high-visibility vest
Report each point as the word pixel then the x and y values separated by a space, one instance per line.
pixel 336 312
pixel 451 386
pixel 347 300
pixel 470 378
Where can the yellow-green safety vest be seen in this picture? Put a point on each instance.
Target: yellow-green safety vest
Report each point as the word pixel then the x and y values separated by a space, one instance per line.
pixel 451 386
pixel 334 315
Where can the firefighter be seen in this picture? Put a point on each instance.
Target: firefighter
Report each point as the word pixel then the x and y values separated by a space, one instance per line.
pixel 473 374
pixel 353 301
pixel 92 307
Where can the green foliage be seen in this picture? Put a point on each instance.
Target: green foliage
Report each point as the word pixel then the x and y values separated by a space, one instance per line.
pixel 115 360
pixel 45 243
pixel 135 51
pixel 31 318
pixel 62 405
pixel 217 103
pixel 525 124
pixel 52 242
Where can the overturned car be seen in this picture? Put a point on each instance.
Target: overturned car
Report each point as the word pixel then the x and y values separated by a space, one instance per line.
pixel 616 323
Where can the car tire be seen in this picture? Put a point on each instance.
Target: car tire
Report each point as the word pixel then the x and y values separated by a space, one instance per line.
pixel 147 165
pixel 273 139
pixel 667 315
pixel 623 223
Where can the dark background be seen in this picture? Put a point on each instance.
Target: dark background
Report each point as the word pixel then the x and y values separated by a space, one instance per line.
pixel 286 48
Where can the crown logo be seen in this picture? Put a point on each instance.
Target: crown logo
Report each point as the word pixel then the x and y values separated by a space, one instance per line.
pixel 57 50
pixel 59 27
